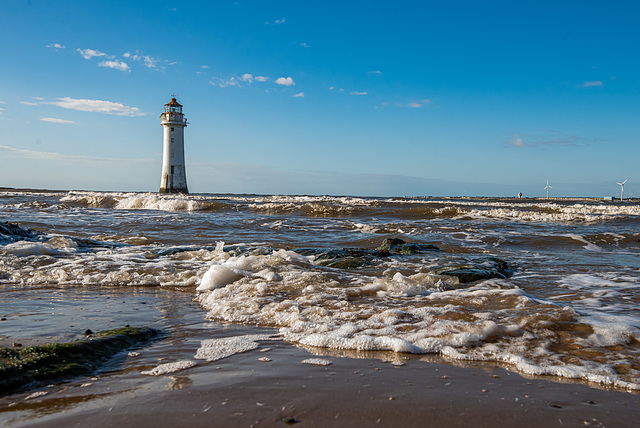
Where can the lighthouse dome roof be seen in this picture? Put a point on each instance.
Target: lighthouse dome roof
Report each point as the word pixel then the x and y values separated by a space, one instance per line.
pixel 173 103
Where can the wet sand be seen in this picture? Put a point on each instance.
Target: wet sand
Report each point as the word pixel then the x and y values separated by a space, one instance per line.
pixel 356 389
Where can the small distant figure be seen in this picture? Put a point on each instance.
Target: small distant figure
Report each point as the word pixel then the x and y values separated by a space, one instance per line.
pixel 519 195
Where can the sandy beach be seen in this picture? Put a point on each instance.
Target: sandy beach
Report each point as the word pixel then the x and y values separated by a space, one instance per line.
pixel 272 386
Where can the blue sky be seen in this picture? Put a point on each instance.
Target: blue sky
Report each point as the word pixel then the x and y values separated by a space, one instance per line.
pixel 401 98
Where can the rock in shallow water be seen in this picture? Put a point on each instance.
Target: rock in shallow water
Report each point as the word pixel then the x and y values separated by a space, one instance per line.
pixel 20 367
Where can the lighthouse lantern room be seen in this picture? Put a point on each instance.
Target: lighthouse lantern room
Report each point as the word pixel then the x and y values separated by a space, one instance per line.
pixel 174 175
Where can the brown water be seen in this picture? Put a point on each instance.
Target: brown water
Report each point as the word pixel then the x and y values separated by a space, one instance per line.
pixel 568 308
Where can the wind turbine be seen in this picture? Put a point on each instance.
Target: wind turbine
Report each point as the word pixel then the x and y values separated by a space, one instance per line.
pixel 547 187
pixel 622 188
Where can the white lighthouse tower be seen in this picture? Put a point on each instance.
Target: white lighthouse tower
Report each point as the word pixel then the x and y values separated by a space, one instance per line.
pixel 174 175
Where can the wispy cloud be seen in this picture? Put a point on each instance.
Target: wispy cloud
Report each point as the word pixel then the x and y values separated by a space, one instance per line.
pixel 56 120
pixel 276 22
pixel 94 106
pixel 590 84
pixel 376 72
pixel 304 45
pixel 97 106
pixel 239 81
pixel 298 95
pixel 56 46
pixel 149 61
pixel 33 154
pixel 358 93
pixel 118 65
pixel 90 53
pixel 416 104
pixel 546 139
pixel 285 81
pixel 223 83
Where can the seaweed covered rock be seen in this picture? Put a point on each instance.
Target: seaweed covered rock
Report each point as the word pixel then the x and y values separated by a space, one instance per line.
pixel 399 246
pixel 341 258
pixel 476 268
pixel 20 367
pixel 349 258
pixel 11 232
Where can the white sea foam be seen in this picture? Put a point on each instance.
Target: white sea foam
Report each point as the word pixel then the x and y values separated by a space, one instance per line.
pixel 317 361
pixel 217 349
pixel 166 368
pixel 26 248
pixel 416 313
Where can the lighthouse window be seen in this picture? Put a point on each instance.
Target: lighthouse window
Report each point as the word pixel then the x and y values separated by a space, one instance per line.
pixel 171 129
pixel 172 140
pixel 171 169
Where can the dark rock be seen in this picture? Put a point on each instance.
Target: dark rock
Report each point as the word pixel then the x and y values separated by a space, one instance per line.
pixel 345 258
pixel 11 232
pixel 476 269
pixel 398 246
pixel 29 366
pixel 391 244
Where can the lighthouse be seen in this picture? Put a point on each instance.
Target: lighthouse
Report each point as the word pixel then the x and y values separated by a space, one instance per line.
pixel 174 175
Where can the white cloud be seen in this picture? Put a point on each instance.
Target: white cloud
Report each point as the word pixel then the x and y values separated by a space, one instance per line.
pixel 56 46
pixel 204 67
pixel 276 22
pixel 29 103
pixel 358 93
pixel 1 110
pixel 377 72
pixel 55 120
pixel 149 61
pixel 238 81
pixel 118 65
pixel 300 95
pixel 517 141
pixel 222 83
pixel 304 45
pixel 33 154
pixel 96 106
pixel 90 53
pixel 285 81
pixel 416 104
pixel 547 138
pixel 590 84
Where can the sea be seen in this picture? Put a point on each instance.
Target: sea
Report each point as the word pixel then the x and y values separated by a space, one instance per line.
pixel 545 287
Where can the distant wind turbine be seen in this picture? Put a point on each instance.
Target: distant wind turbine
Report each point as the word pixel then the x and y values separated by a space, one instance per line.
pixel 622 188
pixel 547 187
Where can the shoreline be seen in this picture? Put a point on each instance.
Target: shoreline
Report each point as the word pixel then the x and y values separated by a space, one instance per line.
pixel 243 391
pixel 270 386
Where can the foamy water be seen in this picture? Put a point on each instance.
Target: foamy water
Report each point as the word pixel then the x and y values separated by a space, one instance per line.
pixel 566 306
